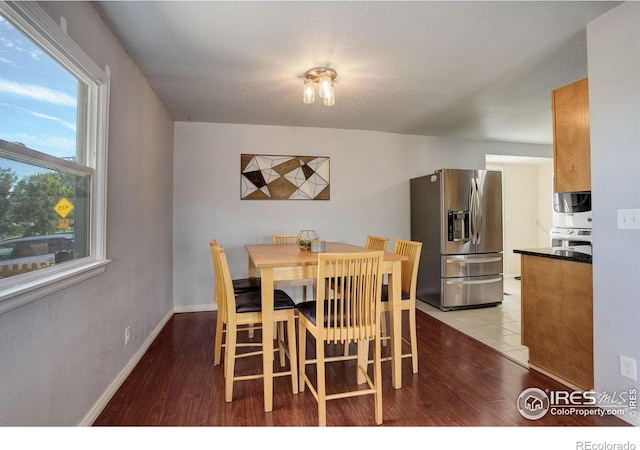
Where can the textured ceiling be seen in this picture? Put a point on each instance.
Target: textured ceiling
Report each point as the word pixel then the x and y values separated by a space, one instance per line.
pixel 476 70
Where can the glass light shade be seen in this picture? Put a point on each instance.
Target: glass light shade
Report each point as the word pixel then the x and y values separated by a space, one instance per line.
pixel 324 90
pixel 308 93
pixel 330 99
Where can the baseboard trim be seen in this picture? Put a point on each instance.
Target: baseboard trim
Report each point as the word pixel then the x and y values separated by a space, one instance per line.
pixel 195 308
pixel 555 377
pixel 100 404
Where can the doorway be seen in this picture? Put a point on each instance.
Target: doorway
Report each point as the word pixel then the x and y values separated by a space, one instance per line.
pixel 527 190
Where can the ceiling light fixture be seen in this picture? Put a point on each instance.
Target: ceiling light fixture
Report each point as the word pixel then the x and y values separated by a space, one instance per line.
pixel 324 77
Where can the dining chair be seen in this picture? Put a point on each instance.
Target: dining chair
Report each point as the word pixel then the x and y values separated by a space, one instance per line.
pixel 412 250
pixel 278 239
pixel 377 243
pixel 284 238
pixel 352 316
pixel 246 309
pixel 373 243
pixel 240 286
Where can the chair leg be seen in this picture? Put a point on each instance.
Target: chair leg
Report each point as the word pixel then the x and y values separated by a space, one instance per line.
pixel 383 327
pixel 363 356
pixel 302 354
pixel 218 342
pixel 414 339
pixel 229 361
pixel 377 379
pixel 293 354
pixel 280 339
pixel 320 384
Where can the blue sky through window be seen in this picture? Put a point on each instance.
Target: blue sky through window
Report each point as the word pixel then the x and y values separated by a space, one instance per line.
pixel 38 97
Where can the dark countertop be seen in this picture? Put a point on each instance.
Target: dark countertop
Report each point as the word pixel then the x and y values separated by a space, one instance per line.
pixel 577 253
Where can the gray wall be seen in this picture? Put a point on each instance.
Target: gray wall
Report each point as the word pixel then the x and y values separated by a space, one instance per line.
pixel 59 354
pixel 614 102
pixel 370 175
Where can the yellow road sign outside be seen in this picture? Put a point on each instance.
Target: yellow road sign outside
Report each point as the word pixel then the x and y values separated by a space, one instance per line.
pixel 63 223
pixel 63 207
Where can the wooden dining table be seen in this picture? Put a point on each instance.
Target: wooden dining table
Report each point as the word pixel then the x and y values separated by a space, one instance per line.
pixel 281 262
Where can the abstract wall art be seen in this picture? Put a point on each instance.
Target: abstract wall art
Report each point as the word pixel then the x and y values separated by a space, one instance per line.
pixel 275 177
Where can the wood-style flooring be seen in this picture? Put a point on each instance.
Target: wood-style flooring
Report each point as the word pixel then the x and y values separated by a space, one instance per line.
pixel 461 382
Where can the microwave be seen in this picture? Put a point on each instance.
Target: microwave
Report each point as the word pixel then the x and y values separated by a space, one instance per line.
pixel 571 210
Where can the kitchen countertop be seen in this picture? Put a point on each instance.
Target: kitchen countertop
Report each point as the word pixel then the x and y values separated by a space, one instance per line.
pixel 577 253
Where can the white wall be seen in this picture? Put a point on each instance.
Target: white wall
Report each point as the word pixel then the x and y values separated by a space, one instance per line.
pixel 370 175
pixel 526 201
pixel 545 202
pixel 58 355
pixel 614 102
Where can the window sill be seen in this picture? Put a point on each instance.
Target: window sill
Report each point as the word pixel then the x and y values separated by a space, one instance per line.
pixel 36 288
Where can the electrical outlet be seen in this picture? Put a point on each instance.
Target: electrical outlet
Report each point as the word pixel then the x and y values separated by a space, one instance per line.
pixel 628 367
pixel 127 335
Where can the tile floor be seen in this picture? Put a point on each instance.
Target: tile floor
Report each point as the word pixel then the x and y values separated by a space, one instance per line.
pixel 496 326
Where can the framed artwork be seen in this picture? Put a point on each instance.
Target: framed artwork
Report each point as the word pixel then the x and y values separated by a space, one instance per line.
pixel 275 177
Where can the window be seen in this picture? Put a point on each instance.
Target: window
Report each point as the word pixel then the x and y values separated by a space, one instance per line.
pixel 53 128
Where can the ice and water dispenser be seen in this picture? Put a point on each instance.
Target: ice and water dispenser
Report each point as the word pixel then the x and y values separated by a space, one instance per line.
pixel 459 225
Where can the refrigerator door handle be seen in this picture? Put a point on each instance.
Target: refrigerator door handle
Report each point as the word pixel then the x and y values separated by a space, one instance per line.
pixel 472 211
pixel 485 281
pixel 478 211
pixel 475 260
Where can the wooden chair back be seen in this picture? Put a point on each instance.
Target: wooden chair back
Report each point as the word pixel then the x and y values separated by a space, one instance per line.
pixel 353 314
pixel 216 287
pixel 412 250
pixel 284 238
pixel 218 299
pixel 377 243
pixel 224 284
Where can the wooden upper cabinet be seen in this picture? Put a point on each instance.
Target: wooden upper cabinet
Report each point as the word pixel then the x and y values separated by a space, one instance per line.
pixel 571 143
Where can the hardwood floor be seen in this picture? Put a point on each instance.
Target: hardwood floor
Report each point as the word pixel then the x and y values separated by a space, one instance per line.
pixel 461 382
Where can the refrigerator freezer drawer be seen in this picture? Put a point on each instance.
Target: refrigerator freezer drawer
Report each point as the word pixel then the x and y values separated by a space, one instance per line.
pixel 471 265
pixel 471 291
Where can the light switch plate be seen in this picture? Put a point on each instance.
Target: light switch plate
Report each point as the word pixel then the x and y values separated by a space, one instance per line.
pixel 629 219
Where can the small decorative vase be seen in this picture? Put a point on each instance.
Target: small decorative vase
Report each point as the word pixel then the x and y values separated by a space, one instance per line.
pixel 305 237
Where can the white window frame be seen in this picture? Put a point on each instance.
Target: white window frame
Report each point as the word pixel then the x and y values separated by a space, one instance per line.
pixel 18 290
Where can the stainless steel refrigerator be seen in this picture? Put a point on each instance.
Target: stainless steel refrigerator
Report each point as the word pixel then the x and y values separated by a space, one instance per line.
pixel 457 215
